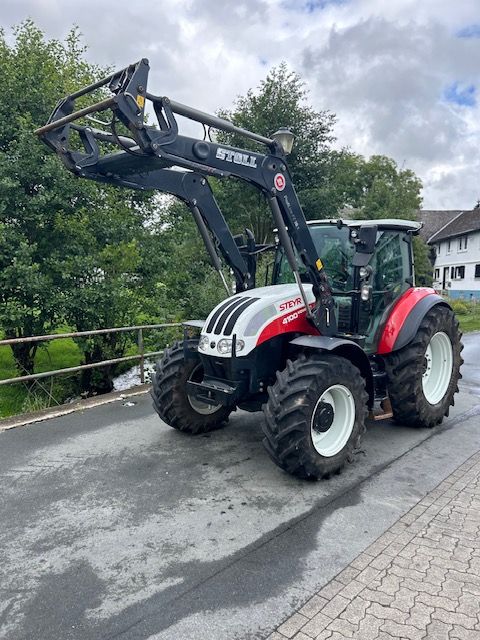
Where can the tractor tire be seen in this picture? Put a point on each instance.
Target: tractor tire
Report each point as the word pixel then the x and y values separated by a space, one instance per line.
pixel 171 400
pixel 315 415
pixel 423 376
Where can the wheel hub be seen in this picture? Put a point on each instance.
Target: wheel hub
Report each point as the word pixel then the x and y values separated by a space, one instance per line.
pixel 332 420
pixel 323 419
pixel 425 365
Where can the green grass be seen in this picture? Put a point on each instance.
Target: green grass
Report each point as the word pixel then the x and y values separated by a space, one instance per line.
pixel 54 355
pixel 468 314
pixel 469 323
pixel 59 354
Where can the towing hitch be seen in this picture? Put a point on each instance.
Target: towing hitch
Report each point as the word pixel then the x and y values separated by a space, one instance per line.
pixel 215 391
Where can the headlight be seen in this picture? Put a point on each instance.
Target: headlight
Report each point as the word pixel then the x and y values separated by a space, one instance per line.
pixel 225 346
pixel 365 292
pixel 203 343
pixel 365 272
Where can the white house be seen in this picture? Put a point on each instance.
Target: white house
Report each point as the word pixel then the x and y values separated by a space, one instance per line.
pixel 456 245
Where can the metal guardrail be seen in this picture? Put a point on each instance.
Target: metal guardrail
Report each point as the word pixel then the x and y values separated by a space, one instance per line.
pixel 78 334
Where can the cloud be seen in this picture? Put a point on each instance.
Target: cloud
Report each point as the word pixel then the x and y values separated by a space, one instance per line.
pixel 398 88
pixel 402 76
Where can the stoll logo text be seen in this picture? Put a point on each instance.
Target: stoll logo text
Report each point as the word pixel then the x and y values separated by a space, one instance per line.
pixel 236 157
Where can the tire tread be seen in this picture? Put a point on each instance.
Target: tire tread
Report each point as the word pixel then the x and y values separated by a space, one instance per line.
pixel 169 395
pixel 404 372
pixel 286 427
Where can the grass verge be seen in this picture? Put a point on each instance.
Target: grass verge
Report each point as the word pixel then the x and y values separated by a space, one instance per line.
pixel 468 314
pixel 17 398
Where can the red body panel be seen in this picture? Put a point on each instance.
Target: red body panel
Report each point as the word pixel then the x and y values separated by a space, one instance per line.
pixel 291 321
pixel 398 315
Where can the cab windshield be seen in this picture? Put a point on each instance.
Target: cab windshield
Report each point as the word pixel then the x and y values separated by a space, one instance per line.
pixel 336 250
pixel 391 275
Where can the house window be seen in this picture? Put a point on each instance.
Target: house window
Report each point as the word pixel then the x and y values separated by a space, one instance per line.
pixel 477 271
pixel 452 272
pixel 462 243
pixel 437 273
pixel 438 248
pixel 459 273
pixel 449 246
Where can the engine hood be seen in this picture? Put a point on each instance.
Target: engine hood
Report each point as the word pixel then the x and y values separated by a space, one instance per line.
pixel 256 316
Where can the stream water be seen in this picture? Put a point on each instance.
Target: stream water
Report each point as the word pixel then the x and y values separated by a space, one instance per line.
pixel 131 378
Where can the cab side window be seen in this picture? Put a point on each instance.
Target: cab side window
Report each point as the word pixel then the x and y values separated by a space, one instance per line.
pixel 391 268
pixel 390 256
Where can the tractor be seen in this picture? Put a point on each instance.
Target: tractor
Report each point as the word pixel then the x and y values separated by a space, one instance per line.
pixel 338 333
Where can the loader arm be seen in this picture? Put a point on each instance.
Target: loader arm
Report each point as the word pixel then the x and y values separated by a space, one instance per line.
pixel 147 157
pixel 194 190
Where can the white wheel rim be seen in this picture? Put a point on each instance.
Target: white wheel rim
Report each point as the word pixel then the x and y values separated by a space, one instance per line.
pixel 332 441
pixel 438 367
pixel 204 408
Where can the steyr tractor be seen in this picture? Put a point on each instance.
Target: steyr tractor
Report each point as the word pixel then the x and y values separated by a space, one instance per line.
pixel 339 333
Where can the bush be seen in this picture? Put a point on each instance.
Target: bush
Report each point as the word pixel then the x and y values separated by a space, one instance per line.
pixel 459 307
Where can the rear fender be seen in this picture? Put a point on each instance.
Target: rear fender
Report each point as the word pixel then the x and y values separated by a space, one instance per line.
pixel 344 348
pixel 405 318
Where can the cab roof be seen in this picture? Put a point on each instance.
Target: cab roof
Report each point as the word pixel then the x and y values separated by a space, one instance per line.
pixel 382 223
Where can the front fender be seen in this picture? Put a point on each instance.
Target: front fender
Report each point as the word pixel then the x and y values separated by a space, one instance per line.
pixel 344 348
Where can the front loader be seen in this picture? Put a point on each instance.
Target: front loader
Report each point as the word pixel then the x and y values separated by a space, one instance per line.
pixel 340 331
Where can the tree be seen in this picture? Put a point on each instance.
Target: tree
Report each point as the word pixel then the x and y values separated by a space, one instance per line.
pixel 280 101
pixel 109 279
pixel 327 181
pixel 35 192
pixel 423 262
pixel 68 248
pixel 193 286
pixel 365 188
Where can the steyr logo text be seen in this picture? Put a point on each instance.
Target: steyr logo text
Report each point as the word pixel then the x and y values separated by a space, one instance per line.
pixel 289 304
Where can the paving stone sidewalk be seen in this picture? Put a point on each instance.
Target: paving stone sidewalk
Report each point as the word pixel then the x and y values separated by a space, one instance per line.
pixel 420 579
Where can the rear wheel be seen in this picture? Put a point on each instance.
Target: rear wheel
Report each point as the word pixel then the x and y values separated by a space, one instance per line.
pixel 171 401
pixel 423 376
pixel 315 415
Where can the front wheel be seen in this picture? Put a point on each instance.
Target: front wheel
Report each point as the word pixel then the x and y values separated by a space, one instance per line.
pixel 315 415
pixel 423 376
pixel 171 401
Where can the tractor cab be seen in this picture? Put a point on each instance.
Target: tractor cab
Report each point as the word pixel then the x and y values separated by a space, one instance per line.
pixel 364 286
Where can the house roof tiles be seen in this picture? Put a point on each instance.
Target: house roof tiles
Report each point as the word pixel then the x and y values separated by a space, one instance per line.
pixel 465 222
pixel 435 220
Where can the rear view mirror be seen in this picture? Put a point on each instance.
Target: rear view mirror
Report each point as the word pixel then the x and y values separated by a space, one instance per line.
pixel 364 239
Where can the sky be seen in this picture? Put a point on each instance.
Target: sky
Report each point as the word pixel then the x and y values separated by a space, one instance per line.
pixel 402 76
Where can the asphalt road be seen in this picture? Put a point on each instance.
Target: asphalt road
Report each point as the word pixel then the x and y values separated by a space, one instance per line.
pixel 115 526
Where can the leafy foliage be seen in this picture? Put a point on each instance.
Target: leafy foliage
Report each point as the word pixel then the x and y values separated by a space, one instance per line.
pixel 281 101
pixel 70 251
pixel 192 285
pixel 364 188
